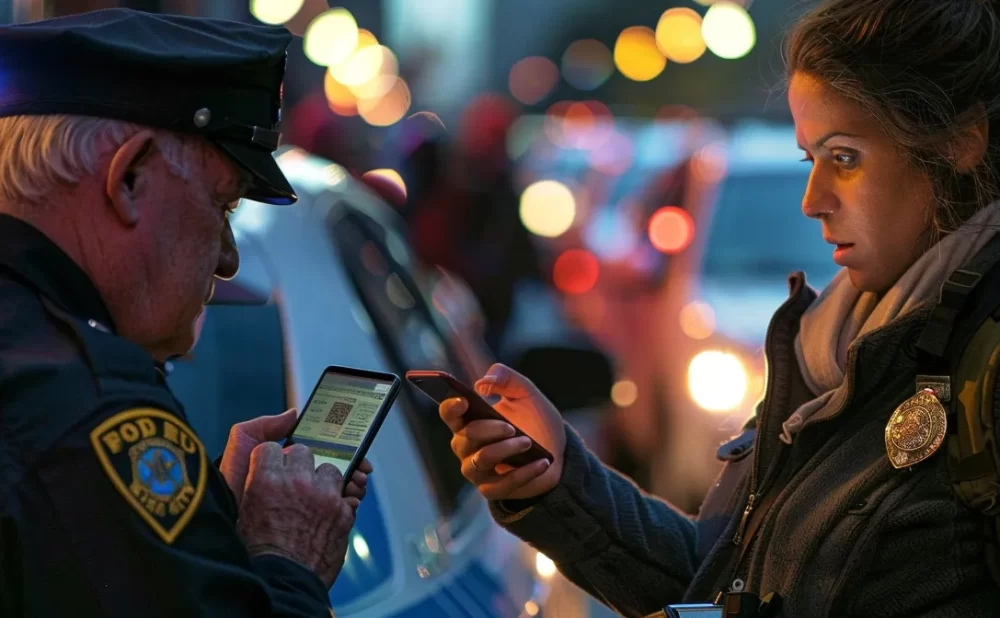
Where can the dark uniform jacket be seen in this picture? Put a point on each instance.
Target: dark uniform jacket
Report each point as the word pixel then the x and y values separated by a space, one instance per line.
pixel 835 529
pixel 109 505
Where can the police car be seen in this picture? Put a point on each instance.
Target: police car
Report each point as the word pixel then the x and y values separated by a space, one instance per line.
pixel 330 281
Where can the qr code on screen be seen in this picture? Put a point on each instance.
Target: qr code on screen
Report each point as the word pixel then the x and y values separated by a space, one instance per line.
pixel 338 413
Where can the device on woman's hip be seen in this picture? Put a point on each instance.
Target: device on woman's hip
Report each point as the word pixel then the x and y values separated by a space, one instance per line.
pixel 734 605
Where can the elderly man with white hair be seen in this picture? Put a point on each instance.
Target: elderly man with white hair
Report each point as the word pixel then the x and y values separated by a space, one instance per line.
pixel 126 139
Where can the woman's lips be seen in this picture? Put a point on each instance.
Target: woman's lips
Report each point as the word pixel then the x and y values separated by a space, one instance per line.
pixel 841 252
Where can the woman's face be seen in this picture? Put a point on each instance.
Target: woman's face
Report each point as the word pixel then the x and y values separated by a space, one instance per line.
pixel 874 206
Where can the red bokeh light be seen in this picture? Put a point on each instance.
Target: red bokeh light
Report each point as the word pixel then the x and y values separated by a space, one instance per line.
pixel 576 271
pixel 671 229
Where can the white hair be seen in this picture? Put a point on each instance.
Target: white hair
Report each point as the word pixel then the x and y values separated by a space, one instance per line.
pixel 40 153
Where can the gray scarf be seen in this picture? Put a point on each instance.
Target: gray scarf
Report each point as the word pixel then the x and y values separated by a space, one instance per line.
pixel 842 315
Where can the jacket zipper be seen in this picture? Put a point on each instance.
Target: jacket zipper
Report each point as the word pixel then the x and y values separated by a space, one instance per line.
pixel 768 394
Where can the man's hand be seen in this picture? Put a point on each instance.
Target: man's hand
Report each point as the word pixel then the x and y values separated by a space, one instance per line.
pixel 482 446
pixel 293 509
pixel 244 438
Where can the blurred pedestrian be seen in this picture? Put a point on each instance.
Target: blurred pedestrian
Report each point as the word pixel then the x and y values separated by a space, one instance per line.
pixel 126 139
pixel 866 484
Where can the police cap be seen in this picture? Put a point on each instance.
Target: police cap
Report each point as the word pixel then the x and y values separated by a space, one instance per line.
pixel 215 78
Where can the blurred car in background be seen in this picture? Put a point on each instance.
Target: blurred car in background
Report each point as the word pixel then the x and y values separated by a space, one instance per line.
pixel 330 281
pixel 680 251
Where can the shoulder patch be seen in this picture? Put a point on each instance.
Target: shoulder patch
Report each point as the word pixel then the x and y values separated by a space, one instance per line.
pixel 156 463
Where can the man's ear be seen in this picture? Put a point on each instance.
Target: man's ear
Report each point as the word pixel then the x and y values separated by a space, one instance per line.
pixel 969 146
pixel 124 173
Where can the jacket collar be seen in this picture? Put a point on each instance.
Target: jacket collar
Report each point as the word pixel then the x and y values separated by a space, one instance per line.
pixel 30 255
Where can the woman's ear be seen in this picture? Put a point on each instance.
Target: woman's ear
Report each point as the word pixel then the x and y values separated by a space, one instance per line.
pixel 969 147
pixel 125 172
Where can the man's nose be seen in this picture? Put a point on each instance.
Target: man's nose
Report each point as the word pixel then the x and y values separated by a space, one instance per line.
pixel 229 255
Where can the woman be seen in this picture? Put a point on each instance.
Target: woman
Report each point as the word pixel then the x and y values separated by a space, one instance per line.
pixel 896 106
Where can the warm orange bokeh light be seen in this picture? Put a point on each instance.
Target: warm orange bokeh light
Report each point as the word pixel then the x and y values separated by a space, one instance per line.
pixel 637 55
pixel 388 108
pixel 671 229
pixel 341 100
pixel 678 35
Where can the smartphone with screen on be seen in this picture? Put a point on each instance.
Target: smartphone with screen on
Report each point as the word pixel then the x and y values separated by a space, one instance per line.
pixel 343 414
pixel 440 386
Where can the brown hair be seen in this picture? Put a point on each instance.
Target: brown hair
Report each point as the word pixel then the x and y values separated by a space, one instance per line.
pixel 925 70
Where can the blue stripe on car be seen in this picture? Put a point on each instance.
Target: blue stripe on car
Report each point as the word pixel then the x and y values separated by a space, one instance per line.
pixel 471 593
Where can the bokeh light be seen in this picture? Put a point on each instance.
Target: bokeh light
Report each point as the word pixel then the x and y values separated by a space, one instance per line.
pixel 697 320
pixel 548 208
pixel 671 229
pixel 678 34
pixel 555 117
pixel 576 271
pixel 388 176
pixel 717 380
pixel 709 164
pixel 331 37
pixel 544 566
pixel 383 82
pixel 275 11
pixel 532 79
pixel 587 64
pixel 615 157
pixel 624 393
pixel 728 30
pixel 363 64
pixel 637 55
pixel 389 108
pixel 587 125
pixel 339 97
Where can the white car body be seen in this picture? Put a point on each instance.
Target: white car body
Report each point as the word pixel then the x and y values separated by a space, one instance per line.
pixel 412 554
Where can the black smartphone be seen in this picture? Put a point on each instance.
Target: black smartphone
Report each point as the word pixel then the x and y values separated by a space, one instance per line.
pixel 343 414
pixel 440 386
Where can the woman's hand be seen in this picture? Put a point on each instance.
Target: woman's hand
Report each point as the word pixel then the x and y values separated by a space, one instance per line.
pixel 483 445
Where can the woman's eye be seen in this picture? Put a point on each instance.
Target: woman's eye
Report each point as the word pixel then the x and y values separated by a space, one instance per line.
pixel 845 159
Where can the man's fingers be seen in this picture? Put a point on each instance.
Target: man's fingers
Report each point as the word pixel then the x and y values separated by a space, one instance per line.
pixel 268 428
pixel 506 484
pixel 354 490
pixel 266 456
pixel 352 502
pixel 366 467
pixel 299 457
pixel 329 473
pixel 504 381
pixel 452 411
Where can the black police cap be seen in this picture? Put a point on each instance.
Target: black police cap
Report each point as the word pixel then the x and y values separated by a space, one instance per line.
pixel 215 78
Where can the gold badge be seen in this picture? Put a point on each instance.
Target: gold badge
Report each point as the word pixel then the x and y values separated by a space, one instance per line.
pixel 916 430
pixel 156 463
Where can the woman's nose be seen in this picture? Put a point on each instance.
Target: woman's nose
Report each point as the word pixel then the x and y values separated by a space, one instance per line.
pixel 818 200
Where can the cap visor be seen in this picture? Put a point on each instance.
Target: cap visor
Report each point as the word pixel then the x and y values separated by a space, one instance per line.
pixel 267 183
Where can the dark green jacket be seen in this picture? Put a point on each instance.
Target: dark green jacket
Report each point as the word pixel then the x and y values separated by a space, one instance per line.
pixel 838 531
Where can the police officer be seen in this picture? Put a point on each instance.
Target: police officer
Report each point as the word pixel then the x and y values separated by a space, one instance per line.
pixel 125 141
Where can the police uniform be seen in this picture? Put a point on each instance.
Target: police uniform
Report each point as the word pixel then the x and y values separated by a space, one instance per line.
pixel 109 505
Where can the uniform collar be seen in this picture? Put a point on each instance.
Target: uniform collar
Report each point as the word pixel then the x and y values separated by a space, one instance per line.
pixel 37 260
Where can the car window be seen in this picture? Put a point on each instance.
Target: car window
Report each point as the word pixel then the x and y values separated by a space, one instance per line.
pixel 410 336
pixel 237 372
pixel 758 231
